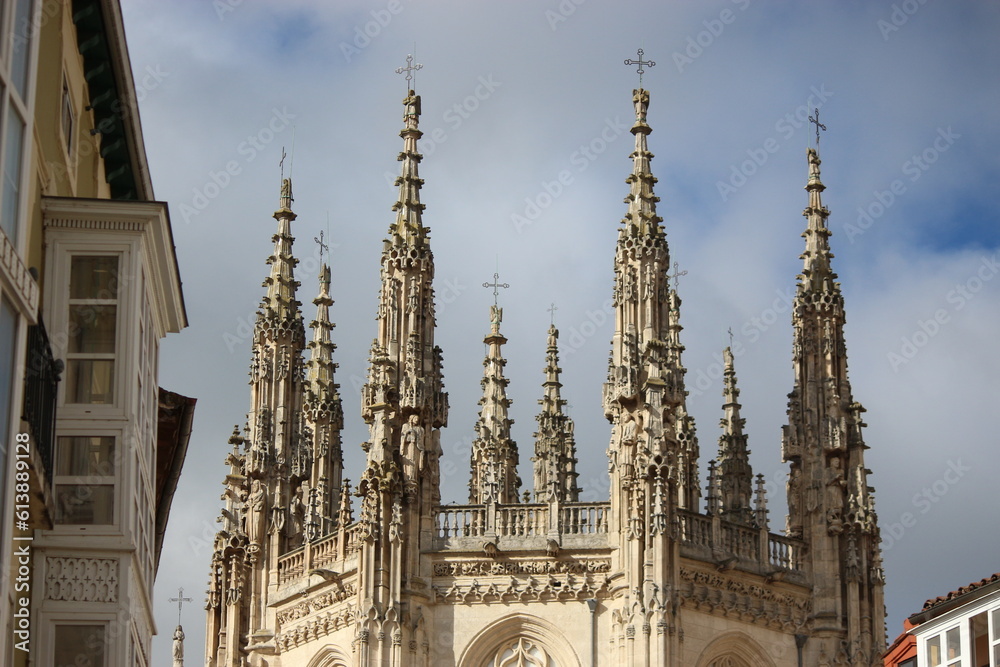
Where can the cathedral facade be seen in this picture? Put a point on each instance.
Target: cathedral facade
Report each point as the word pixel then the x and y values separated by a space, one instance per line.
pixel 309 571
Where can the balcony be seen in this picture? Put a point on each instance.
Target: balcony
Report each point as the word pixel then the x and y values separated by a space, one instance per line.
pixel 41 384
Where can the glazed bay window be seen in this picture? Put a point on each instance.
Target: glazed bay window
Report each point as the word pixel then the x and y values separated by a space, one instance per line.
pixel 80 645
pixel 92 329
pixel 15 63
pixel 995 636
pixel 85 480
pixel 945 649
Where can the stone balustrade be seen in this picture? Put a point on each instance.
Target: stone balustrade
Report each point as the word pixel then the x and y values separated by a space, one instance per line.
pixel 319 554
pixel 714 539
pixel 525 525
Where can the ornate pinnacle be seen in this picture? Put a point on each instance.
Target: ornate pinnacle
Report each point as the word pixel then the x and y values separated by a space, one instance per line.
pixel 817 273
pixel 555 447
pixel 735 474
pixel 408 228
pixel 279 300
pixel 321 390
pixel 641 218
pixel 494 453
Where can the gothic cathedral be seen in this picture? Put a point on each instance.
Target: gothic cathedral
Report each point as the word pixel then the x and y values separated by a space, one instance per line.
pixel 534 577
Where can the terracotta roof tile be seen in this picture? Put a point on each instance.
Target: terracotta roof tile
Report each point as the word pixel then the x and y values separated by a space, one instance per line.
pixel 933 602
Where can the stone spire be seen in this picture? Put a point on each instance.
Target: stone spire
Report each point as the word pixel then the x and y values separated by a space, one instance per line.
pixel 259 520
pixel 279 301
pixel 408 230
pixel 641 220
pixel 321 392
pixel 405 406
pixel 494 454
pixel 653 451
pixel 830 505
pixel 817 274
pixel 555 447
pixel 735 474
pixel 324 412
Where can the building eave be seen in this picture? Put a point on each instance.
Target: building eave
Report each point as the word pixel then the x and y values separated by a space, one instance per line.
pixel 174 420
pixel 108 71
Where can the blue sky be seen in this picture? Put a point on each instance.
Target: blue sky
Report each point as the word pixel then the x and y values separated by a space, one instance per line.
pixel 515 93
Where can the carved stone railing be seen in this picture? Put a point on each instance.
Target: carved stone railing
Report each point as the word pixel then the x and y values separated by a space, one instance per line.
pixel 695 529
pixel 783 552
pixel 520 523
pixel 461 521
pixel 522 520
pixel 584 518
pixel 291 566
pixel 741 541
pixel 320 553
pixel 723 542
pixel 324 550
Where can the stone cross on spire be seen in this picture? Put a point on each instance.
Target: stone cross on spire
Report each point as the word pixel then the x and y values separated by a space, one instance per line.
pixel 180 600
pixel 819 126
pixel 496 285
pixel 640 62
pixel 409 69
pixel 676 275
pixel 552 313
pixel 323 247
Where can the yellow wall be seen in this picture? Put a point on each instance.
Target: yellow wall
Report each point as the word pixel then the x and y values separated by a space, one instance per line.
pixel 78 172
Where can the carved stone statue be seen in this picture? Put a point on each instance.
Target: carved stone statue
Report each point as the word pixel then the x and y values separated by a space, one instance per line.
pixel 178 649
pixel 413 449
pixel 794 488
pixel 835 485
pixel 297 512
pixel 255 512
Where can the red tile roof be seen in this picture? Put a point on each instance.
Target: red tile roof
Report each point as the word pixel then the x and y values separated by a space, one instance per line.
pixel 933 602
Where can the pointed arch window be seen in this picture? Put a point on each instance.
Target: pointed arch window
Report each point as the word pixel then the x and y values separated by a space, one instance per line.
pixel 522 653
pixel 728 661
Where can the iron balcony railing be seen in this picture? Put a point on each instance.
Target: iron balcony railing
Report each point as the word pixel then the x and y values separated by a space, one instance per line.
pixel 41 383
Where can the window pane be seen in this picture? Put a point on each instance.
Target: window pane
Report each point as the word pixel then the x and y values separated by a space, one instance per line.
pixel 90 381
pixel 8 334
pixel 934 651
pixel 93 278
pixel 80 645
pixel 954 643
pixel 85 504
pixel 12 173
pixel 22 47
pixel 996 625
pixel 92 328
pixel 82 455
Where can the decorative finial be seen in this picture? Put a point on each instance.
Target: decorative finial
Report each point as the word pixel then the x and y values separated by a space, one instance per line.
pixel 180 600
pixel 496 285
pixel 730 338
pixel 281 163
pixel 676 275
pixel 409 69
pixel 322 246
pixel 640 62
pixel 552 313
pixel 819 125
